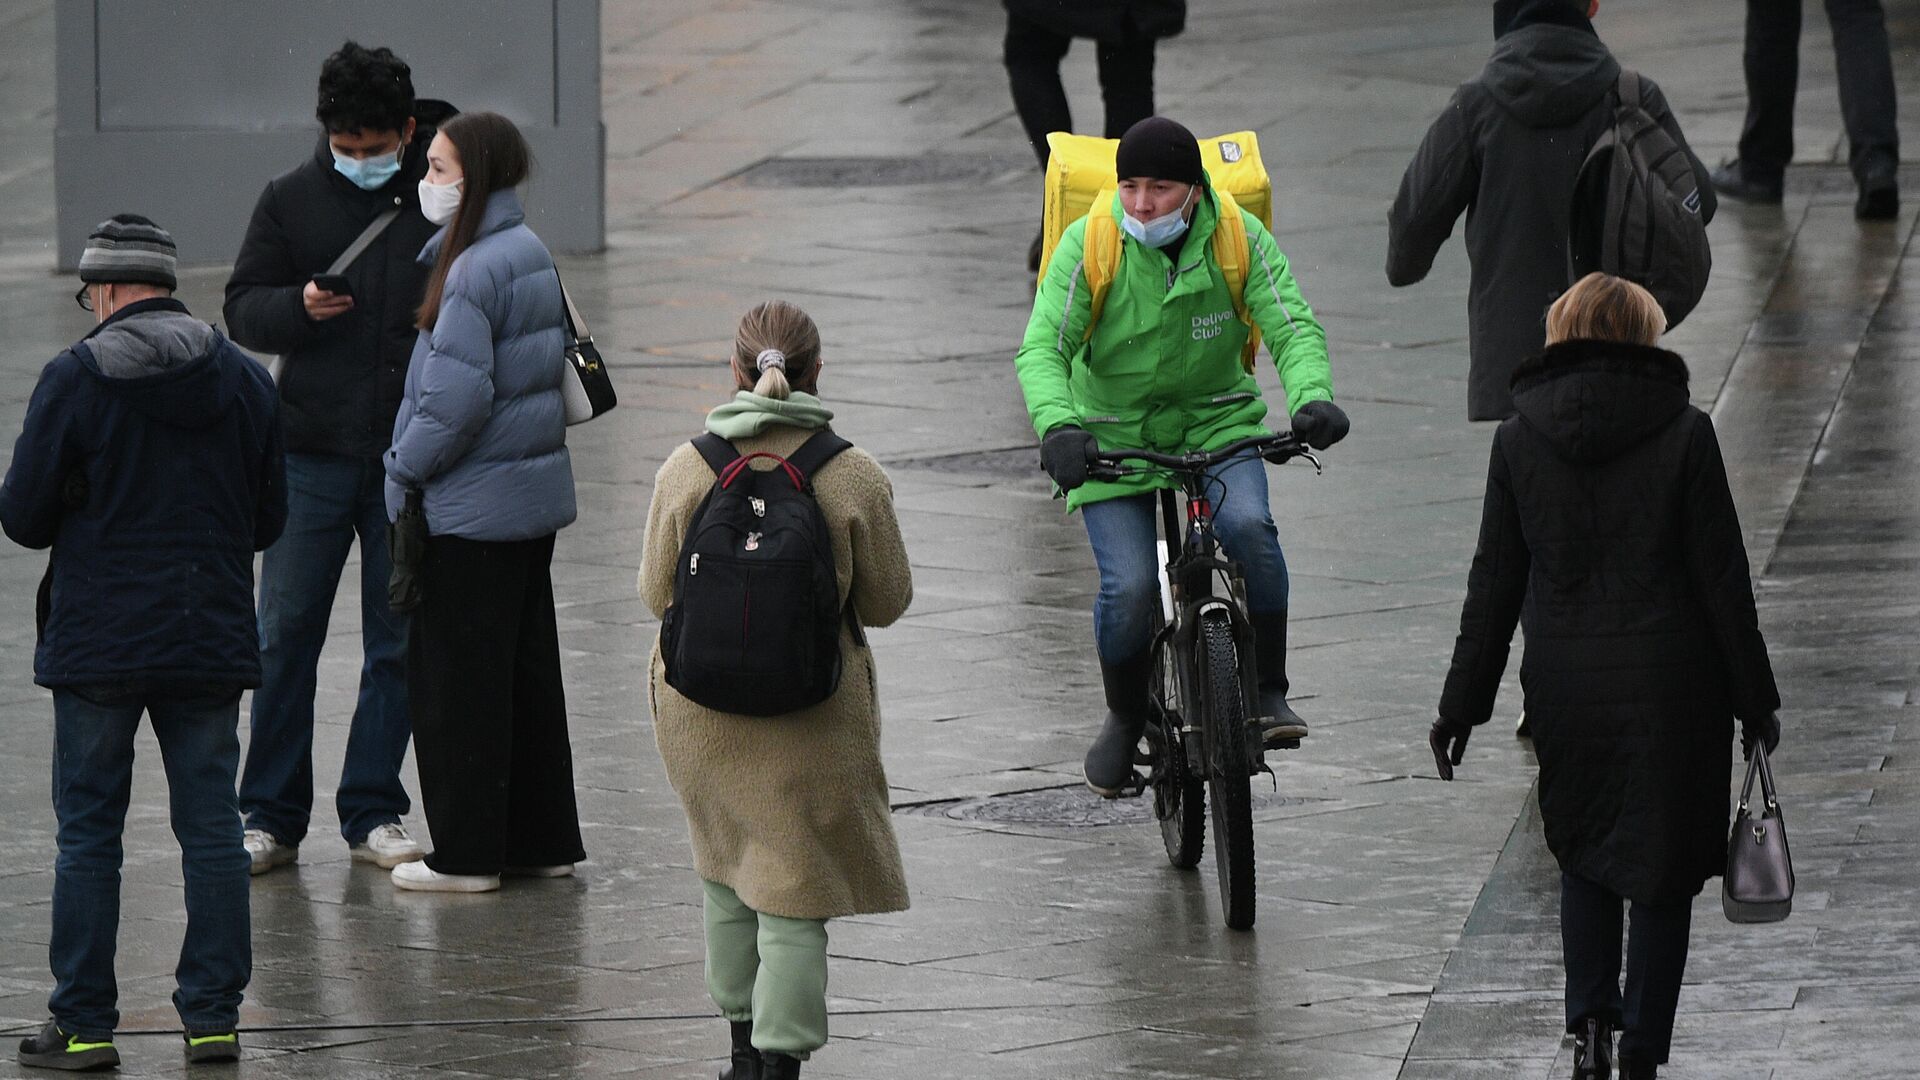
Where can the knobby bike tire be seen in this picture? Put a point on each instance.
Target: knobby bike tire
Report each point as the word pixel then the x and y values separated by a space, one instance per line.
pixel 1179 801
pixel 1231 792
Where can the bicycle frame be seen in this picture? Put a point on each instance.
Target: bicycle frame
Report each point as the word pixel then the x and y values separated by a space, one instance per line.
pixel 1192 579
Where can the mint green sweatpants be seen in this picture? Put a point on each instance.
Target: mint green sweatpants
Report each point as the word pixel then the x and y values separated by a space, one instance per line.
pixel 767 969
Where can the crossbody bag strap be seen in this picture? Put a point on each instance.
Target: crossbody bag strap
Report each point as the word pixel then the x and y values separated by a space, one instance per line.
pixel 367 236
pixel 576 326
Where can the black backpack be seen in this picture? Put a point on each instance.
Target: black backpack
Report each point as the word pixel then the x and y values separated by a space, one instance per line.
pixel 1636 209
pixel 754 626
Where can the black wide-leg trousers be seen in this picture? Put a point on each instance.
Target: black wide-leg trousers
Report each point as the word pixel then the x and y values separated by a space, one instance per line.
pixel 1865 65
pixel 1033 54
pixel 489 712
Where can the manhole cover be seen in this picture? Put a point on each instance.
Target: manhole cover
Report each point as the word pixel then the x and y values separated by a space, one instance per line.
pixel 1017 461
pixel 836 172
pixel 1067 808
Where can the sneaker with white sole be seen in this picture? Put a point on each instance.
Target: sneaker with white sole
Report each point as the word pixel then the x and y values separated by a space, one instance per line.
pixel 387 846
pixel 417 876
pixel 555 871
pixel 266 851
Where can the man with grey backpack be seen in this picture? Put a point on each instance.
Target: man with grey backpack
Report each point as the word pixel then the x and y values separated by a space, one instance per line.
pixel 1514 145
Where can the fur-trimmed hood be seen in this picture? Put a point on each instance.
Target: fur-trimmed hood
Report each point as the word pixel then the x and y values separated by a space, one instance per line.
pixel 1595 400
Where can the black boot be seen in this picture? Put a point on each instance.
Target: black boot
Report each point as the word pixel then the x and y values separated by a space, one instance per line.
pixel 779 1067
pixel 1635 1069
pixel 746 1060
pixel 1279 724
pixel 1034 252
pixel 1735 180
pixel 1879 192
pixel 1592 1051
pixel 1109 763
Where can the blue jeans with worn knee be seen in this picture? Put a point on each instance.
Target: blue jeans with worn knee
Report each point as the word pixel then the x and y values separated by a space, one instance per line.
pixel 330 501
pixel 1123 531
pixel 199 740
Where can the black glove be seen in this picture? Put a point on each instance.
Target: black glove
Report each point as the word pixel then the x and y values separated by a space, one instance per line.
pixel 1449 743
pixel 1063 453
pixel 1320 424
pixel 1767 731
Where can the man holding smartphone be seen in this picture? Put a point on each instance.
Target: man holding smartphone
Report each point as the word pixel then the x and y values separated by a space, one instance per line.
pixel 344 335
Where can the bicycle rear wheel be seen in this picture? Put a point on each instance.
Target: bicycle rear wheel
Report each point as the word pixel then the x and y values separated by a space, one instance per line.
pixel 1230 792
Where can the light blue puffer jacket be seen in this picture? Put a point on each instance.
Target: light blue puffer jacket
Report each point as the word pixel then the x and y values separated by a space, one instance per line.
pixel 482 428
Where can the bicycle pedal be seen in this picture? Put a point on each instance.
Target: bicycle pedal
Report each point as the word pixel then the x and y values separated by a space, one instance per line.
pixel 1135 786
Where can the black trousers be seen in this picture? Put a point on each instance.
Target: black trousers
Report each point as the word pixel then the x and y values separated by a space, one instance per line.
pixel 1033 55
pixel 1862 56
pixel 489 712
pixel 1590 925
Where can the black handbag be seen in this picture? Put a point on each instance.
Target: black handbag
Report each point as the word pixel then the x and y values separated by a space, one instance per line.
pixel 407 547
pixel 1758 886
pixel 587 389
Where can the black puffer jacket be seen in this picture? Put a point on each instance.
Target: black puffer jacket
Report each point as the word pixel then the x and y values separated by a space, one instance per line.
pixel 1105 20
pixel 1506 151
pixel 340 386
pixel 1609 532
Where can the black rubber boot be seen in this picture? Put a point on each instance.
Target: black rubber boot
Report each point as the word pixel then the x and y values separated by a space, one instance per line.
pixel 1635 1069
pixel 1280 726
pixel 746 1060
pixel 779 1067
pixel 1593 1051
pixel 1109 762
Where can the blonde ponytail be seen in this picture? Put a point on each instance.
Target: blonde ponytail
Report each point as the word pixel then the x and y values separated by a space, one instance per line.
pixel 776 350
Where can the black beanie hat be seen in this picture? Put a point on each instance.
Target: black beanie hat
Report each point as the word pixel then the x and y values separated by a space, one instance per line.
pixel 1160 148
pixel 129 248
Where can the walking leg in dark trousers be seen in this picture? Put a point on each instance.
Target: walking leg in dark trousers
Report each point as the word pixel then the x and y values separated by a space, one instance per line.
pixel 1864 59
pixel 543 820
pixel 1032 55
pixel 1126 82
pixel 1590 924
pixel 1656 963
pixel 1773 75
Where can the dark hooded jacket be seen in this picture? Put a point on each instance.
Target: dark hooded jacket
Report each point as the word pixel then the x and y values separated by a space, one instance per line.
pixel 341 383
pixel 150 461
pixel 1507 150
pixel 1105 20
pixel 1609 533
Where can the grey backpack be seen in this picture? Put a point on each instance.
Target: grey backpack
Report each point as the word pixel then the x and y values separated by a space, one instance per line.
pixel 1636 209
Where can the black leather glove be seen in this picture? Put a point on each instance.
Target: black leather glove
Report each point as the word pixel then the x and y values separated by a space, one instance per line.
pixel 1320 424
pixel 1063 453
pixel 1767 731
pixel 1449 744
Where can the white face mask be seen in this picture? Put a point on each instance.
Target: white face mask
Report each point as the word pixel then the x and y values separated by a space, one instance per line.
pixel 1162 230
pixel 439 201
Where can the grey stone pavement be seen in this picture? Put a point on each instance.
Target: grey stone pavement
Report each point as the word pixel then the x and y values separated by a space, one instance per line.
pixel 1407 927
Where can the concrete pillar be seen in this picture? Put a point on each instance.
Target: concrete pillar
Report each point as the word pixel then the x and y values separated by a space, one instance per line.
pixel 184 111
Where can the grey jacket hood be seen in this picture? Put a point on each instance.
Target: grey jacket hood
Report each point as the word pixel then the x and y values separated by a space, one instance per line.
pixel 1549 76
pixel 160 360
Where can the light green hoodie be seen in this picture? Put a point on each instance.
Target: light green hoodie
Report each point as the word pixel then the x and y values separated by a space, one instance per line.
pixel 749 414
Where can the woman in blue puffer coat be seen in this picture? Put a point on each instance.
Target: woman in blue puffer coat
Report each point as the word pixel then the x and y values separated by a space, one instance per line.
pixel 481 435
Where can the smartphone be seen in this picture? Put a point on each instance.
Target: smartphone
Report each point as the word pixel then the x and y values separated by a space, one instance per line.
pixel 337 284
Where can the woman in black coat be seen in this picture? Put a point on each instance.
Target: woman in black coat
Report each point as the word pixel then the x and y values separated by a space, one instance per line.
pixel 1609 529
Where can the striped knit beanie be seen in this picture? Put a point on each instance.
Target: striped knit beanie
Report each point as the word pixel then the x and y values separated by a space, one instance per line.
pixel 129 248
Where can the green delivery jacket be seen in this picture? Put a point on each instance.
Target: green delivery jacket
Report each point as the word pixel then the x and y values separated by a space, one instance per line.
pixel 1162 371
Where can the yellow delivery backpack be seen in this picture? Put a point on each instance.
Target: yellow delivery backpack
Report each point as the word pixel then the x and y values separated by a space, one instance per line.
pixel 1081 182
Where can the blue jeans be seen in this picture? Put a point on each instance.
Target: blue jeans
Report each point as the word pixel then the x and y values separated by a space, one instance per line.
pixel 1122 532
pixel 92 779
pixel 329 500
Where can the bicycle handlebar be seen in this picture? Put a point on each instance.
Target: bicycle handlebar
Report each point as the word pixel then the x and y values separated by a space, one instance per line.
pixel 1276 448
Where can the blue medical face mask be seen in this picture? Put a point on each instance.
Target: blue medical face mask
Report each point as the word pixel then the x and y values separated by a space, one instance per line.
pixel 1162 230
pixel 369 173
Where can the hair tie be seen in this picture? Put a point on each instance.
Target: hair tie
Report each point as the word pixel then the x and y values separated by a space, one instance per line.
pixel 770 358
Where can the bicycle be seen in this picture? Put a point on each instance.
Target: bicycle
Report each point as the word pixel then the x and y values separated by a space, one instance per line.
pixel 1205 745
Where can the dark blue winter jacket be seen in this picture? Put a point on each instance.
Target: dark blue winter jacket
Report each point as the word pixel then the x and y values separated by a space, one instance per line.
pixel 151 462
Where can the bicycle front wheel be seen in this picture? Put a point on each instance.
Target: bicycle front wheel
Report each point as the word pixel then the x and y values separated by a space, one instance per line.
pixel 1229 789
pixel 1180 802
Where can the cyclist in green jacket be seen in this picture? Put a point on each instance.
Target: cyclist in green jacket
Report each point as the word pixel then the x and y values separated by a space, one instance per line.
pixel 1161 370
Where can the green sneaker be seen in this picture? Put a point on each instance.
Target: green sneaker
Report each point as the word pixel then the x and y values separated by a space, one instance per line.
pixel 213 1046
pixel 54 1048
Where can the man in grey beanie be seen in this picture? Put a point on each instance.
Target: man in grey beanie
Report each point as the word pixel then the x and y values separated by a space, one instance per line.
pixel 150 462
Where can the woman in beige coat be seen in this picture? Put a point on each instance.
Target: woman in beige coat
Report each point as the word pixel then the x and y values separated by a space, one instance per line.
pixel 789 815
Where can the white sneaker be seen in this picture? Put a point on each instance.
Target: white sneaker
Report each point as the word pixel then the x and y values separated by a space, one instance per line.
pixel 266 851
pixel 556 870
pixel 417 876
pixel 387 846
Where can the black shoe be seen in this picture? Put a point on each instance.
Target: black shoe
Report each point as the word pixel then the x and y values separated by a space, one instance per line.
pixel 211 1046
pixel 746 1060
pixel 1033 253
pixel 1524 728
pixel 57 1049
pixel 1280 726
pixel 1634 1069
pixel 1879 195
pixel 1733 180
pixel 1593 1051
pixel 1109 761
pixel 779 1067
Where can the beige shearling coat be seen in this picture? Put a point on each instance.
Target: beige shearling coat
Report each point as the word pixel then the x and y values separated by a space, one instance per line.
pixel 790 812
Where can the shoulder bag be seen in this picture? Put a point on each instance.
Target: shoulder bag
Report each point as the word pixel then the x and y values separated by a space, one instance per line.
pixel 587 388
pixel 367 236
pixel 1758 886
